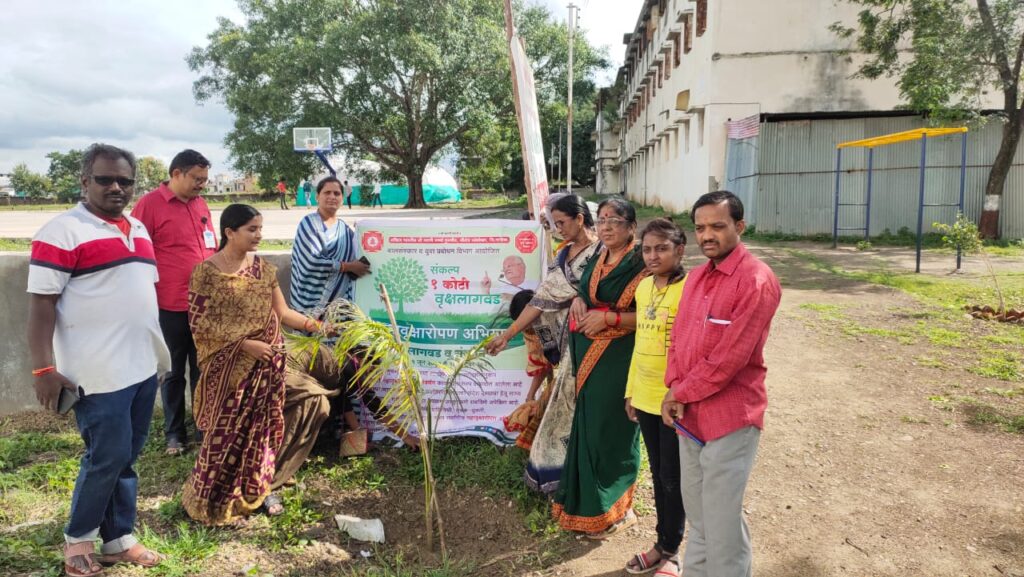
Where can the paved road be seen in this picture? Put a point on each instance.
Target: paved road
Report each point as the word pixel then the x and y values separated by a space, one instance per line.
pixel 277 224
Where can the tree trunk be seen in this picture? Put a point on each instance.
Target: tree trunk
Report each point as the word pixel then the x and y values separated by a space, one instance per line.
pixel 989 224
pixel 415 190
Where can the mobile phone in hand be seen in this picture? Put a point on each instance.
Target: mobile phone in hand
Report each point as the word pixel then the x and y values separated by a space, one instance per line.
pixel 363 260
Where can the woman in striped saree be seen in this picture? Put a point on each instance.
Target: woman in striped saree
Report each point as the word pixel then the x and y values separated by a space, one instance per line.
pixel 324 266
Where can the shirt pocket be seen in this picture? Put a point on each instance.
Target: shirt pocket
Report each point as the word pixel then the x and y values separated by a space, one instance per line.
pixel 711 335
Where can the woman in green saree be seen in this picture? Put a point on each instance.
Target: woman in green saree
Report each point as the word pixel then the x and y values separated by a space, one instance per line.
pixel 595 494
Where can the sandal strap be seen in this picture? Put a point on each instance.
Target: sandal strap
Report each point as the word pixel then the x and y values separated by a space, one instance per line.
pixel 80 549
pixel 641 560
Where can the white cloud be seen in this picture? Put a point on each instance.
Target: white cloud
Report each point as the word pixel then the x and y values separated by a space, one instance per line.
pixel 74 73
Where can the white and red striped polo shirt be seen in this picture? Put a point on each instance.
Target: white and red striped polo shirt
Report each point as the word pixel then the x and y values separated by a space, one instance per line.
pixel 107 335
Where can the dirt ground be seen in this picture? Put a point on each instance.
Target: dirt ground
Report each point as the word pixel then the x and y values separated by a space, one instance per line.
pixel 858 472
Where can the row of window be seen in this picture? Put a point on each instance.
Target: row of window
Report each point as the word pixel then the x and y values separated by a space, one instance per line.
pixel 681 44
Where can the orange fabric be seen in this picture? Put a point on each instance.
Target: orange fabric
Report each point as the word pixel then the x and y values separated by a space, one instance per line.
pixel 615 514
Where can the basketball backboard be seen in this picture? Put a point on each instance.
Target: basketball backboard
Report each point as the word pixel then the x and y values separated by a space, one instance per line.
pixel 311 139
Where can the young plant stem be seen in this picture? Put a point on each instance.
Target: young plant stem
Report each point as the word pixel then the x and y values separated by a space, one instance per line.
pixel 995 281
pixel 431 507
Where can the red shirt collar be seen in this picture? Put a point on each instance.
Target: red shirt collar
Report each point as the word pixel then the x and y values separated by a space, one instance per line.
pixel 728 266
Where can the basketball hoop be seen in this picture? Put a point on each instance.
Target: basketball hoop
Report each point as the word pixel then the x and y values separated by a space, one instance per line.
pixel 311 140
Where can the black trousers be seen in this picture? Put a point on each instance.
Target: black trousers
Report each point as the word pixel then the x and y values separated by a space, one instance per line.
pixel 284 200
pixel 663 454
pixel 348 200
pixel 178 336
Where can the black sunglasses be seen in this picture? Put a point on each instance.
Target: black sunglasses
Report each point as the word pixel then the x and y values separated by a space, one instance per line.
pixel 109 180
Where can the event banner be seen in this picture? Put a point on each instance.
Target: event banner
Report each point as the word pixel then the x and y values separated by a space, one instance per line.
pixel 450 284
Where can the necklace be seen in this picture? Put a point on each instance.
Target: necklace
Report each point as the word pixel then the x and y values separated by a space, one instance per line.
pixel 232 267
pixel 651 312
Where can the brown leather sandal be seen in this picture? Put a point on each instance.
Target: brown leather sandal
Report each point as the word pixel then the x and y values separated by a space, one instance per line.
pixel 137 554
pixel 86 549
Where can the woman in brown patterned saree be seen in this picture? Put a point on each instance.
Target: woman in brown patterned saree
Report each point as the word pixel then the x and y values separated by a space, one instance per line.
pixel 236 312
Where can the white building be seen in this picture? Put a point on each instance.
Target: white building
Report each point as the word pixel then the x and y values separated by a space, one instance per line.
pixel 692 66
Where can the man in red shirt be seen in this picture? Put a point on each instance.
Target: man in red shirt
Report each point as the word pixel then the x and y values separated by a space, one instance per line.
pixel 282 192
pixel 180 224
pixel 717 395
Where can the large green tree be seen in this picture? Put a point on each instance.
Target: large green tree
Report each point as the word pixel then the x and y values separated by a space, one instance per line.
pixel 401 82
pixel 32 184
pixel 65 174
pixel 150 171
pixel 397 80
pixel 945 55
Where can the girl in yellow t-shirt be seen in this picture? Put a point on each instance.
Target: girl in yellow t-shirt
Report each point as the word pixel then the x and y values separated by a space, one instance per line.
pixel 657 300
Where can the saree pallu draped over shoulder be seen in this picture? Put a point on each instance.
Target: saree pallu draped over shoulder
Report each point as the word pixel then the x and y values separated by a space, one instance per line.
pixel 239 399
pixel 603 453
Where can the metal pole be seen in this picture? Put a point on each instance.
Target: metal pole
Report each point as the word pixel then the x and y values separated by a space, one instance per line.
pixel 560 129
pixel 963 181
pixel 920 201
pixel 867 208
pixel 568 154
pixel 835 211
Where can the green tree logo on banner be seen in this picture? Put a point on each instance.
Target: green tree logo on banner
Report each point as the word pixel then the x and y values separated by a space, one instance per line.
pixel 406 280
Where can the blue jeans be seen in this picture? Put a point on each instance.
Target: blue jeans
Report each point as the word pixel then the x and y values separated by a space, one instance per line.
pixel 114 427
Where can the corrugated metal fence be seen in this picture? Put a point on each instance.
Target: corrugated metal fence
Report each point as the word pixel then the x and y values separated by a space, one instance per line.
pixel 786 177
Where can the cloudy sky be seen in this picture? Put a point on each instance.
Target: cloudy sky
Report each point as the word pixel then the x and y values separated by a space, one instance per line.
pixel 75 72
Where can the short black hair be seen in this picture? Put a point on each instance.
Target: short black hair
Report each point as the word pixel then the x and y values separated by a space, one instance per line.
pixel 98 149
pixel 186 159
pixel 718 197
pixel 519 302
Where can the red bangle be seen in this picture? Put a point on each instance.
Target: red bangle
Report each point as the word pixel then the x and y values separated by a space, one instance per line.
pixel 618 319
pixel 44 371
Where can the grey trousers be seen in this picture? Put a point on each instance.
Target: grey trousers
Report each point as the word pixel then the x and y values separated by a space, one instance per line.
pixel 714 479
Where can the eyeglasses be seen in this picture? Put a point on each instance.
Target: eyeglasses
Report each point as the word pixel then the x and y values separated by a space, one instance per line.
pixel 109 180
pixel 611 221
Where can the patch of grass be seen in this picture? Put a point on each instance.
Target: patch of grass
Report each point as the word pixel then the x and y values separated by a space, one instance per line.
pixel 1005 393
pixel 171 511
pixel 942 402
pixel 914 420
pixel 931 362
pixel 267 245
pixel 830 312
pixel 982 414
pixel 495 201
pixel 943 337
pixel 900 336
pixel 1002 365
pixel 1012 340
pixel 33 551
pixel 352 474
pixel 947 293
pixel 289 529
pixel 15 244
pixel 22 448
pixel 187 549
pixel 35 207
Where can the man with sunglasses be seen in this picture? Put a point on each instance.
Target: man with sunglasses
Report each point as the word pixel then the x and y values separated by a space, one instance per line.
pixel 95 342
pixel 182 230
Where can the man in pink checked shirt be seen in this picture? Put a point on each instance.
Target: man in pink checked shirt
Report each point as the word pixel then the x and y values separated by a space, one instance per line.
pixel 717 396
